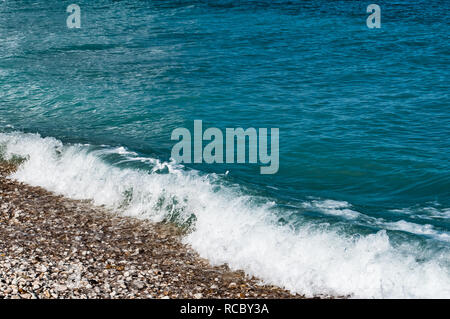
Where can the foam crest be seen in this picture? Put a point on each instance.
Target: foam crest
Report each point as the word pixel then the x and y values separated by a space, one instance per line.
pixel 332 207
pixel 427 229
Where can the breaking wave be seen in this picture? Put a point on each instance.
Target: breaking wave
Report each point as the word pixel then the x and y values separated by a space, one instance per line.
pixel 228 225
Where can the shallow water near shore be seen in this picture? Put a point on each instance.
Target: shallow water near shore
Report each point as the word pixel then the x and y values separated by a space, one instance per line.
pixel 361 204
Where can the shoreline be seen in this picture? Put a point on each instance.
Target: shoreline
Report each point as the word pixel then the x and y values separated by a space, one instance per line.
pixel 54 247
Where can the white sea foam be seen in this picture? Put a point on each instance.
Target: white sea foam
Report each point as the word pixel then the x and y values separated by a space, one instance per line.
pixel 435 212
pixel 234 228
pixel 332 207
pixel 419 229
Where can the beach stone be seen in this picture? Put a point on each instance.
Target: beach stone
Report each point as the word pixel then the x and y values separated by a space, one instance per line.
pixel 61 288
pixel 138 284
pixel 232 285
pixel 42 268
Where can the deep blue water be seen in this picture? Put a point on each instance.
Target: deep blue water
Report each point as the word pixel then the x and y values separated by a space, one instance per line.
pixel 363 113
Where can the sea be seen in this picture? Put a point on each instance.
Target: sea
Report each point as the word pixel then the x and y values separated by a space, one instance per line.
pixel 360 205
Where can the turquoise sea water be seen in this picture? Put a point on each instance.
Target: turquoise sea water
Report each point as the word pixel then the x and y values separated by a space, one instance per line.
pixel 361 203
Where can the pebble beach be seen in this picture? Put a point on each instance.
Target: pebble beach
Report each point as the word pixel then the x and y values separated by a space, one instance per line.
pixel 54 247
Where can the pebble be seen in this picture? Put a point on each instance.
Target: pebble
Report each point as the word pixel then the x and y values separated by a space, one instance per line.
pixel 232 285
